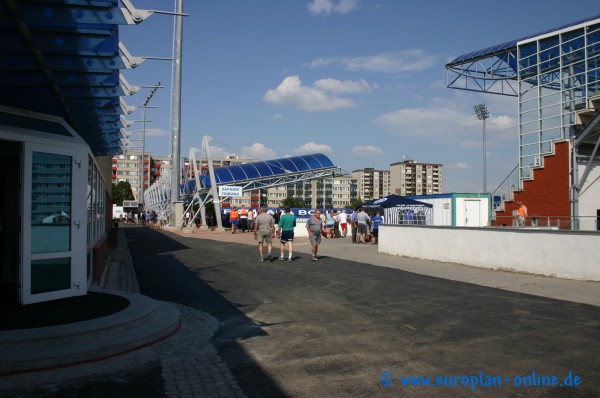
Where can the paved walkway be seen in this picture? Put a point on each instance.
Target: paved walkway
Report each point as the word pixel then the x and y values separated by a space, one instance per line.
pixel 191 366
pixel 343 248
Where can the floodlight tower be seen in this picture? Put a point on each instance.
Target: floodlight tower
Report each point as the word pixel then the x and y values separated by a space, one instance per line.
pixel 483 114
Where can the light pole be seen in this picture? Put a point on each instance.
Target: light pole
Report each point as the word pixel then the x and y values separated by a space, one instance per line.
pixel 144 136
pixel 482 114
pixel 176 111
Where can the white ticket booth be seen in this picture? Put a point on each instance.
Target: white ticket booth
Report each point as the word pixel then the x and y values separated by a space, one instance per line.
pixel 51 208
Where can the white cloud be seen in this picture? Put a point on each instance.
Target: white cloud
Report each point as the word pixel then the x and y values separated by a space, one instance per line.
pixel 319 62
pixel 259 151
pixel 471 143
pixel 343 86
pixel 459 166
pixel 312 147
pixel 151 133
pixel 443 123
pixel 422 122
pixel 366 150
pixel 157 133
pixel 312 99
pixel 326 7
pixel 405 61
pixel 501 122
pixel 218 152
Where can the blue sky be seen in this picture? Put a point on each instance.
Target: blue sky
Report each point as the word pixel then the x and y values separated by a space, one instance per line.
pixel 362 81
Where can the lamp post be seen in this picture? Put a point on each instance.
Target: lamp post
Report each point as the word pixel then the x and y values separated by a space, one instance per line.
pixel 482 114
pixel 176 111
pixel 144 106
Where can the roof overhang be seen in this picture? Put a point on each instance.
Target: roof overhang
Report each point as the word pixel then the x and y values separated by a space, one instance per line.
pixel 62 58
pixel 494 69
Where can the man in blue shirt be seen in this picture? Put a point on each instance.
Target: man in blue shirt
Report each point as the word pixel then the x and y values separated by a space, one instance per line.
pixel 376 220
pixel 354 225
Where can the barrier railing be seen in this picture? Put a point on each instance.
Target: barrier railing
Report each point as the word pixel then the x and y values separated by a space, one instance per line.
pixel 586 223
pixel 506 189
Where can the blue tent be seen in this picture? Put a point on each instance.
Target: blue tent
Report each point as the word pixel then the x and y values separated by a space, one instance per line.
pixel 400 210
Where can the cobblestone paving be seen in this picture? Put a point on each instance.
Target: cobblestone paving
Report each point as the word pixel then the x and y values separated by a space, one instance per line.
pixel 191 366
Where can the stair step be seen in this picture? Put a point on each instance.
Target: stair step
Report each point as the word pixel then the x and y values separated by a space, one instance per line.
pixel 142 325
pixel 140 310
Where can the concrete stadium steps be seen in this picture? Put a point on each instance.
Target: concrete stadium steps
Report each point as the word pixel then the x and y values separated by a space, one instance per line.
pixel 585 112
pixel 144 322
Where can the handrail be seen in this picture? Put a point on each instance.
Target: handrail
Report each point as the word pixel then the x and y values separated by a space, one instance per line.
pixel 585 223
pixel 505 190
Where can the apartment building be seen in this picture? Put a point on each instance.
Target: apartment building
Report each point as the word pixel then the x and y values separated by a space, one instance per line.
pixel 336 192
pixel 128 167
pixel 371 183
pixel 409 178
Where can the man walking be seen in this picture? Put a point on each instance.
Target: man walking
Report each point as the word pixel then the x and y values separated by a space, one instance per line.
pixel 354 225
pixel 316 229
pixel 286 225
pixel 362 220
pixel 264 229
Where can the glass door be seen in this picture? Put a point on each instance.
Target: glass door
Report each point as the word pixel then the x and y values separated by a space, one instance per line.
pixel 54 246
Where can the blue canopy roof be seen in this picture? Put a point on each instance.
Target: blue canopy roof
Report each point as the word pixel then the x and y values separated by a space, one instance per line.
pixel 269 168
pixel 512 44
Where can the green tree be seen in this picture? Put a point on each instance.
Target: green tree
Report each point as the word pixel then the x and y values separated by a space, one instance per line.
pixel 356 202
pixel 293 202
pixel 120 192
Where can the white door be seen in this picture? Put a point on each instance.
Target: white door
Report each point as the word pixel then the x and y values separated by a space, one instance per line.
pixel 472 213
pixel 54 223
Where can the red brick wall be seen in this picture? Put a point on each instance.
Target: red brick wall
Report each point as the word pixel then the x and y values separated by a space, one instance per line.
pixel 547 194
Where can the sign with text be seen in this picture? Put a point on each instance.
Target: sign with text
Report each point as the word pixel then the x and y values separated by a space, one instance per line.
pixel 229 190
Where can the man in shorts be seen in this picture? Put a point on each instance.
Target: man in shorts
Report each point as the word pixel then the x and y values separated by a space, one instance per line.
pixel 264 229
pixel 363 220
pixel 233 218
pixel 286 225
pixel 316 229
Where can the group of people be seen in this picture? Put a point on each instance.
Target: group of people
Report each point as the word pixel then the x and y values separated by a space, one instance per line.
pixel 265 228
pixel 242 219
pixel 365 228
pixel 145 218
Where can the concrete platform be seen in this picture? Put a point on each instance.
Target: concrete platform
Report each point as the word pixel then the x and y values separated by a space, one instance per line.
pixel 143 322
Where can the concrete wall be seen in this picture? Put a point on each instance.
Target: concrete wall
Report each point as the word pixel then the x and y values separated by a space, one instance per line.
pixel 563 254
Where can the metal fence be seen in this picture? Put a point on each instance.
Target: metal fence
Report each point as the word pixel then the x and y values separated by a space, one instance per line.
pixel 586 223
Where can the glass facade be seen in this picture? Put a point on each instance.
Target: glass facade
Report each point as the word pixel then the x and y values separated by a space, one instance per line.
pixel 50 203
pixel 51 184
pixel 557 75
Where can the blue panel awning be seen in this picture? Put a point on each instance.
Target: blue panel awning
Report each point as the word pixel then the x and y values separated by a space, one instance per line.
pixel 62 58
pixel 269 168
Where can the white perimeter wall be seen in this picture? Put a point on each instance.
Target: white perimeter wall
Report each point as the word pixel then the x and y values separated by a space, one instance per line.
pixel 563 254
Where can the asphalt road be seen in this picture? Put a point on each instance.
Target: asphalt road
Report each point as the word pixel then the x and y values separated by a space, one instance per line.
pixel 337 327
